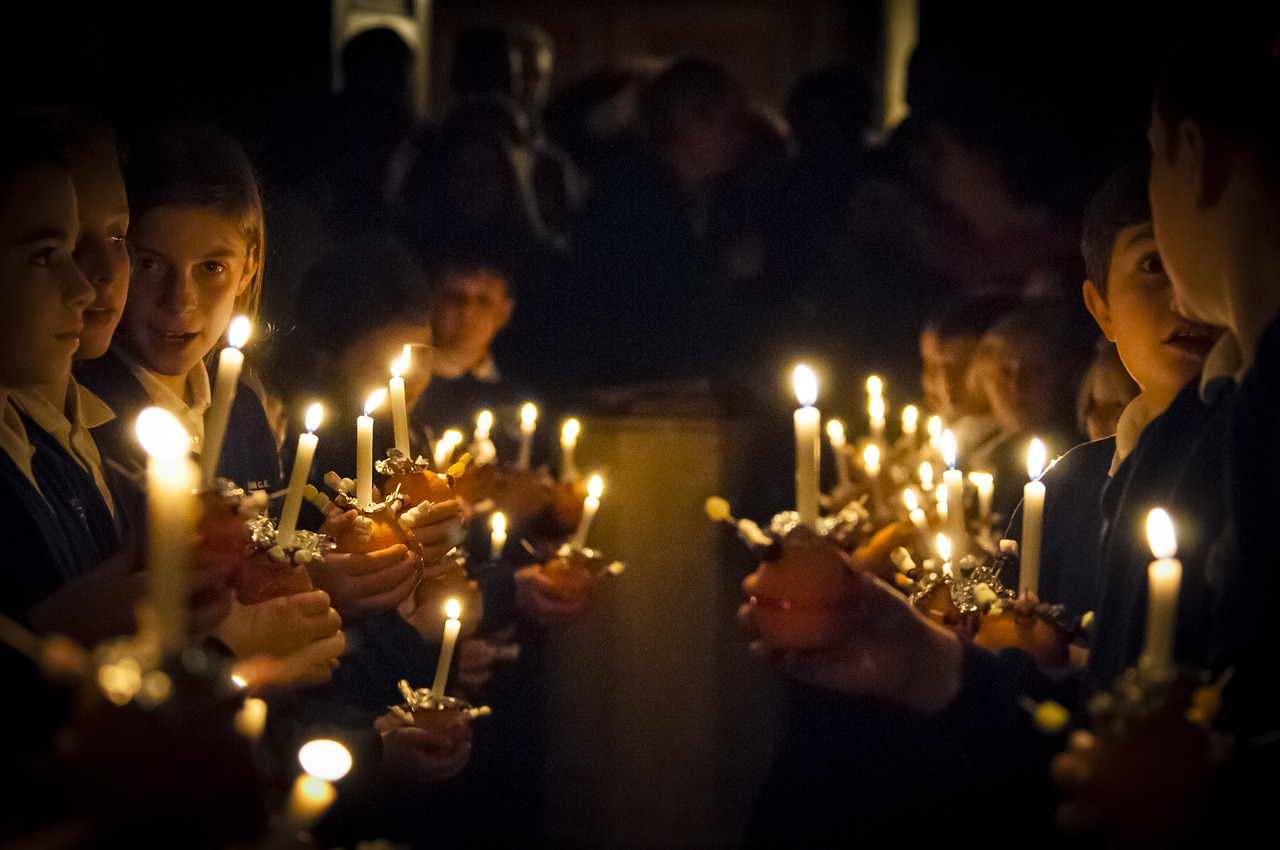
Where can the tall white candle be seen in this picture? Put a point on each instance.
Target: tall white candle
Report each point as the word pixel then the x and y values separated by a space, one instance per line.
pixel 399 410
pixel 452 625
pixel 589 507
pixel 871 461
pixel 484 450
pixel 1164 577
pixel 230 362
pixel 568 445
pixel 957 531
pixel 172 508
pixel 498 535
pixel 298 478
pixel 835 433
pixel 528 423
pixel 940 503
pixel 934 428
pixel 875 407
pixel 1032 517
pixel 914 513
pixel 364 449
pixel 926 476
pixel 910 420
pixel 984 482
pixel 807 424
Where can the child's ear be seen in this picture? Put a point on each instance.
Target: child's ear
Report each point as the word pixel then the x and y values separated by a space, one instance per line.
pixel 1097 306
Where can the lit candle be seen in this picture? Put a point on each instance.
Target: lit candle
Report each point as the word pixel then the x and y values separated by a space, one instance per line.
pixel 944 551
pixel 940 505
pixel 323 763
pixel 807 419
pixel 172 508
pixel 298 478
pixel 835 432
pixel 985 484
pixel 954 480
pixel 528 422
pixel 399 412
pixel 230 362
pixel 452 625
pixel 914 513
pixel 568 443
pixel 498 538
pixel 1164 575
pixel 875 406
pixel 364 449
pixel 251 719
pixel 484 450
pixel 871 460
pixel 448 441
pixel 926 475
pixel 910 419
pixel 1032 515
pixel 934 427
pixel 589 507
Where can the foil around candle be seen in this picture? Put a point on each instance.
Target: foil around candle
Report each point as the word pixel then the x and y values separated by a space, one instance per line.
pixel 391 503
pixel 398 463
pixel 307 545
pixel 596 561
pixel 422 699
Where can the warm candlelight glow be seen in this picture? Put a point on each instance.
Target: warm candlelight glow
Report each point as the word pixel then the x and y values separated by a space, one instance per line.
pixel 805 383
pixel 944 547
pixel 871 458
pixel 595 487
pixel 238 332
pixel 374 401
pixel 1160 534
pixel 484 423
pixel 981 479
pixel 314 414
pixel 935 427
pixel 1035 459
pixel 875 408
pixel 940 493
pixel 451 438
pixel 875 386
pixel 161 434
pixel 910 416
pixel 569 432
pixel 325 759
pixel 926 475
pixel 499 523
pixel 909 499
pixel 529 414
pixel 401 364
pixel 453 609
pixel 949 448
pixel 835 430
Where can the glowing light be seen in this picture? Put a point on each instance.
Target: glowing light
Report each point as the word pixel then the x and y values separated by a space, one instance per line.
pixel 1160 534
pixel 325 759
pixel 805 383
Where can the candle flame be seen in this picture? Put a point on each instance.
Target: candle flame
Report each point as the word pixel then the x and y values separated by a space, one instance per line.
pixel 484 421
pixel 806 385
pixel 529 413
pixel 1035 459
pixel 595 487
pixel 453 609
pixel 161 434
pixel 451 438
pixel 569 432
pixel 909 499
pixel 314 414
pixel 835 430
pixel 325 759
pixel 499 522
pixel 948 448
pixel 374 400
pixel 238 331
pixel 1160 534
pixel 910 416
pixel 926 474
pixel 239 681
pixel 875 386
pixel 935 426
pixel 982 480
pixel 944 547
pixel 876 408
pixel 401 364
pixel 871 456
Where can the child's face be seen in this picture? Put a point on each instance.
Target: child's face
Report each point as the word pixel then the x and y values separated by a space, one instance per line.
pixel 468 312
pixel 101 253
pixel 189 264
pixel 943 379
pixel 43 296
pixel 1161 349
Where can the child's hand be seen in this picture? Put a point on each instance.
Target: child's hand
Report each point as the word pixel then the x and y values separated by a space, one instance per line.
pixel 422 756
pixel 361 584
pixel 477 659
pixel 279 626
pixel 437 528
pixel 312 664
pixel 547 601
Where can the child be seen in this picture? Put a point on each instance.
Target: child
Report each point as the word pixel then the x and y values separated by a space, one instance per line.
pixel 1105 391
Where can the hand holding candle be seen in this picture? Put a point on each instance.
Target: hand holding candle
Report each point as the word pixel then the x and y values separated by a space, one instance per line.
pixel 1164 576
pixel 230 362
pixel 528 423
pixel 807 418
pixel 364 449
pixel 452 625
pixel 399 411
pixel 1032 516
pixel 298 478
pixel 568 443
pixel 595 487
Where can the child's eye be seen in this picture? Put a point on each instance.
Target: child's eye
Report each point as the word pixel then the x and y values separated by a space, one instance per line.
pixel 213 267
pixel 1150 264
pixel 44 257
pixel 144 263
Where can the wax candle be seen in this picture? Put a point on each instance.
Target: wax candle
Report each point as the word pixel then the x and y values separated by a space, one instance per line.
pixel 875 407
pixel 926 475
pixel 984 482
pixel 807 419
pixel 364 449
pixel 172 508
pixel 298 478
pixel 914 513
pixel 871 462
pixel 230 362
pixel 934 428
pixel 568 444
pixel 940 505
pixel 910 420
pixel 528 423
pixel 957 531
pixel 835 432
pixel 452 625
pixel 251 719
pixel 944 551
pixel 323 762
pixel 484 450
pixel 1164 576
pixel 498 537
pixel 589 507
pixel 399 412
pixel 1032 516
pixel 448 441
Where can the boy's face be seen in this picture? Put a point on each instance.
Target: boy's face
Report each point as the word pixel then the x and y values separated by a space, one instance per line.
pixel 943 379
pixel 468 312
pixel 189 264
pixel 43 299
pixel 101 253
pixel 1161 349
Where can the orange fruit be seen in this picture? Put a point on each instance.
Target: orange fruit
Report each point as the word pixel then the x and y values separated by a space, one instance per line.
pixel 372 532
pixel 419 487
pixel 802 592
pixel 259 578
pixel 1047 643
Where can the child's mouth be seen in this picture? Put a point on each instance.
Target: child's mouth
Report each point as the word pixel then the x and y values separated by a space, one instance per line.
pixel 1193 339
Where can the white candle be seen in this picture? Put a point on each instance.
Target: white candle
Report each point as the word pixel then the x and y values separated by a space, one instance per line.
pixel 944 551
pixel 876 408
pixel 589 507
pixel 298 478
pixel 1164 576
pixel 251 719
pixel 528 422
pixel 172 508
pixel 910 420
pixel 399 411
pixel 484 451
pixel 940 505
pixel 985 484
pixel 835 432
pixel 364 449
pixel 230 362
pixel 1032 516
pixel 807 424
pixel 914 513
pixel 934 427
pixel 871 460
pixel 953 478
pixel 323 762
pixel 498 537
pixel 926 475
pixel 568 443
pixel 448 441
pixel 452 625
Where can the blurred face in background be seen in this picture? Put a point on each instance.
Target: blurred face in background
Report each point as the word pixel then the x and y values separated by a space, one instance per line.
pixel 944 379
pixel 467 312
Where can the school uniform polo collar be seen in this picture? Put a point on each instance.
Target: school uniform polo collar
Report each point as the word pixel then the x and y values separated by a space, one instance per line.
pixel 70 425
pixel 197 386
pixel 14 441
pixel 1133 420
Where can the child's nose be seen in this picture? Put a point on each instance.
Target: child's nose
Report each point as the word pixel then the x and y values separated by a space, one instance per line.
pixel 77 291
pixel 179 293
